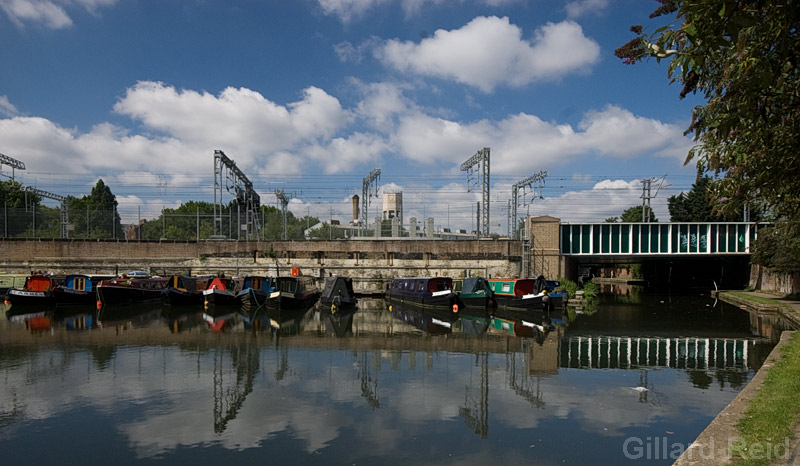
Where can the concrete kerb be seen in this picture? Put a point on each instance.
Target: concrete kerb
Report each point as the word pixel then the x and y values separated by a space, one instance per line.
pixel 712 446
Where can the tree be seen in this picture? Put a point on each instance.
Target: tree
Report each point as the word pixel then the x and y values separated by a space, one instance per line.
pixel 634 214
pixel 743 58
pixel 95 215
pixel 697 205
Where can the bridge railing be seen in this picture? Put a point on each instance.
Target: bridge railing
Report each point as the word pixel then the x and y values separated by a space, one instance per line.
pixel 658 238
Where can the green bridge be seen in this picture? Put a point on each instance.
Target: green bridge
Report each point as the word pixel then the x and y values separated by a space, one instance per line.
pixel 657 239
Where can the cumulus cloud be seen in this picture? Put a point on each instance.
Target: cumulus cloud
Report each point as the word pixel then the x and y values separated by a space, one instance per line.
pixel 240 120
pixel 348 10
pixel 490 51
pixel 524 142
pixel 48 13
pixel 7 109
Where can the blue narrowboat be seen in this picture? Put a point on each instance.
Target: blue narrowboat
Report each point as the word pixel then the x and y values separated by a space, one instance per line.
pixel 424 292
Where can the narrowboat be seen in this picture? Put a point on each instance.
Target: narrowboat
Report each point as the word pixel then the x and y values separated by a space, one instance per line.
pixel 476 295
pixel 424 292
pixel 79 290
pixel 37 293
pixel 256 290
pixel 184 290
pixel 299 292
pixel 12 280
pixel 338 294
pixel 220 291
pixel 520 294
pixel 125 290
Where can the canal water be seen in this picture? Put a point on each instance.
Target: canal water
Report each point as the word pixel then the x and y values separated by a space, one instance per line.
pixel 633 378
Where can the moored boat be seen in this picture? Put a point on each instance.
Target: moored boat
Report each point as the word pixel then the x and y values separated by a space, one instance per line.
pixel 78 290
pixel 220 291
pixel 12 280
pixel 125 290
pixel 184 290
pixel 424 292
pixel 37 293
pixel 298 292
pixel 476 295
pixel 520 294
pixel 256 290
pixel 338 294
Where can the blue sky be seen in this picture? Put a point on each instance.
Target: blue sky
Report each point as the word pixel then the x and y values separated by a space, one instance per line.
pixel 309 96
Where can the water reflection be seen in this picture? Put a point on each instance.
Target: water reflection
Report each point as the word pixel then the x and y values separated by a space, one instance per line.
pixel 370 386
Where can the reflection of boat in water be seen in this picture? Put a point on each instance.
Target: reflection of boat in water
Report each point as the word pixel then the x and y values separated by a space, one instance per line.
pixel 423 292
pixel 181 318
pixel 473 325
pixel 129 315
pixel 428 320
pixel 225 320
pixel 289 321
pixel 338 294
pixel 338 322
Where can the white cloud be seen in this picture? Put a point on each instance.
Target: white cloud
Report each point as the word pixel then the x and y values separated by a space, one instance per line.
pixel 239 121
pixel 578 8
pixel 348 10
pixel 49 13
pixel 607 198
pixel 489 51
pixel 7 108
pixel 523 142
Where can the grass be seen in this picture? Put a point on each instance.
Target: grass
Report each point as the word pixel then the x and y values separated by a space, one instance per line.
pixel 762 300
pixel 772 414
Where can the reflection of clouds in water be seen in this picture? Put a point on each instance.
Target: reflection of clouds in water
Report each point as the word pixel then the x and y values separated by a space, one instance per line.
pixel 316 399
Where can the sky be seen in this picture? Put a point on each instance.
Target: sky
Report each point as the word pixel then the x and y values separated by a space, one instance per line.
pixel 309 96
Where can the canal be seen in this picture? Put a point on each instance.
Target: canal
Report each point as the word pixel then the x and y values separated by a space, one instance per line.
pixel 633 378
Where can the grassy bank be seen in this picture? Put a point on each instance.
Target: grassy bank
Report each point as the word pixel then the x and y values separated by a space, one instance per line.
pixel 773 413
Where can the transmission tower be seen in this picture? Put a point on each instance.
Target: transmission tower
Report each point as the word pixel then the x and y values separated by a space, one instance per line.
pixel 480 158
pixel 646 196
pixel 366 193
pixel 284 204
pixel 227 174
pixel 56 197
pixel 527 182
pixel 11 162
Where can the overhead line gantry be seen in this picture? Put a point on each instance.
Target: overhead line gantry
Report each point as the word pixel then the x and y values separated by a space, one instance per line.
pixel 366 193
pixel 480 158
pixel 227 174
pixel 55 197
pixel 11 162
pixel 537 178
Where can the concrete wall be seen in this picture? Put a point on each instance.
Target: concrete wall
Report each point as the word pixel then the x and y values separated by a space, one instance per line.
pixel 371 262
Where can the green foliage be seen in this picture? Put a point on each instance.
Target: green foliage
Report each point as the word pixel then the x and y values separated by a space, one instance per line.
pixel 777 248
pixel 612 220
pixel 591 289
pixel 569 286
pixel 742 57
pixel 697 205
pixel 634 214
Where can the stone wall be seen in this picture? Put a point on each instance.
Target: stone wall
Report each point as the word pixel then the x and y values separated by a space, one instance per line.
pixel 545 248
